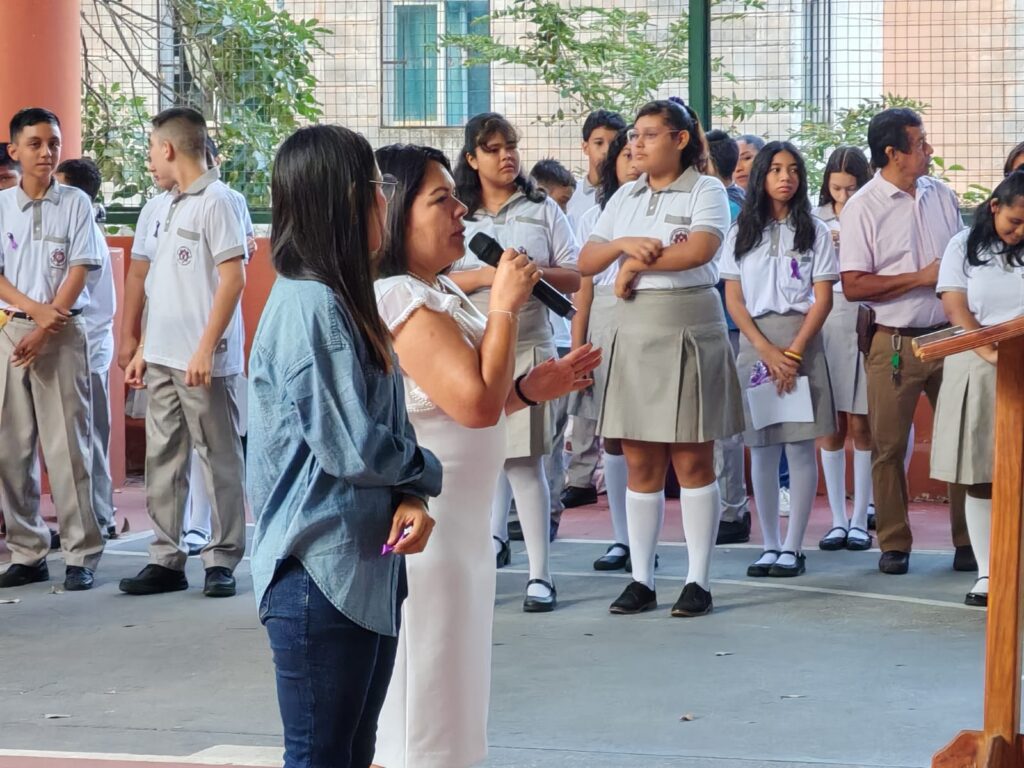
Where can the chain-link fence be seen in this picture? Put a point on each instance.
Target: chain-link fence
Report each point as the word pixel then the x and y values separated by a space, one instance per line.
pixel 416 70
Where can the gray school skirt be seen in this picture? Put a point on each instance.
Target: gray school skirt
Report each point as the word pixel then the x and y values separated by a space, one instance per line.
pixel 670 377
pixel 529 430
pixel 845 362
pixel 584 404
pixel 964 444
pixel 781 330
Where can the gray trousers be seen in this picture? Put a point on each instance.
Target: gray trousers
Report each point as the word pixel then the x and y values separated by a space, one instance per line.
pixel 586 451
pixel 554 462
pixel 729 465
pixel 102 485
pixel 47 404
pixel 180 418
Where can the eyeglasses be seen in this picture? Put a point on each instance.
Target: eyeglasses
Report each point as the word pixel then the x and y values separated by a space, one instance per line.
pixel 388 185
pixel 633 134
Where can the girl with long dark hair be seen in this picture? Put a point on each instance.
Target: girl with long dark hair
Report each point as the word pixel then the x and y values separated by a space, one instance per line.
pixel 670 389
pixel 980 280
pixel 334 472
pixel 847 171
pixel 779 265
pixel 502 203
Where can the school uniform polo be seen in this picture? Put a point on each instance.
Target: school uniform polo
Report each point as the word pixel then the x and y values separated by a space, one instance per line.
pixel 147 228
pixel 995 289
pixel 582 200
pixel 691 203
pixel 828 215
pixel 47 403
pixel 775 277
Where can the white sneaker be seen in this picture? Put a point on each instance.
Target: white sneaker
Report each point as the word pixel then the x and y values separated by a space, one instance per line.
pixel 783 502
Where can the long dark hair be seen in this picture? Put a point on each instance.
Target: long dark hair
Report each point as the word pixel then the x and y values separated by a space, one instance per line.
pixel 479 129
pixel 983 237
pixel 675 112
pixel 408 163
pixel 849 160
pixel 1012 158
pixel 609 184
pixel 324 199
pixel 756 214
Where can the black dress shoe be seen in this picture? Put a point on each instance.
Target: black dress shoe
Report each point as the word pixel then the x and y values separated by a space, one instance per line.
pixel 578 497
pixel 19 575
pixel 964 560
pixel 503 555
pixel 694 600
pixel 977 599
pixel 219 582
pixel 735 531
pixel 153 580
pixel 610 562
pixel 834 540
pixel 779 571
pixel 760 570
pixel 540 604
pixel 858 543
pixel 894 562
pixel 635 598
pixel 77 578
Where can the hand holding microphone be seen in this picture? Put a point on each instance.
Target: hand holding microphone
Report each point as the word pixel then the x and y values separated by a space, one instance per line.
pixel 515 277
pixel 488 251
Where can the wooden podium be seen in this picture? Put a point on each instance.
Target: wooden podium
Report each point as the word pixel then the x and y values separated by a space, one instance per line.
pixel 999 745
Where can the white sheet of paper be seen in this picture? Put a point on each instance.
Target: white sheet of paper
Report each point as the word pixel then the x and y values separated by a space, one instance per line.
pixel 768 407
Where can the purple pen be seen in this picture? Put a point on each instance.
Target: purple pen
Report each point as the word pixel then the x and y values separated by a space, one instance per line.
pixel 387 549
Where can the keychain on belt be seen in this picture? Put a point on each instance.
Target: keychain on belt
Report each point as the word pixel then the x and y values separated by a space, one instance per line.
pixel 896 360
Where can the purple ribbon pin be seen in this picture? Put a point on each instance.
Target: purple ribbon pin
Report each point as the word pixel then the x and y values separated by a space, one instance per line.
pixel 12 241
pixel 794 269
pixel 759 374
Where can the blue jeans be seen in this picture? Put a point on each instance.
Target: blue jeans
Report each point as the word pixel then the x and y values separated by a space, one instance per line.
pixel 332 674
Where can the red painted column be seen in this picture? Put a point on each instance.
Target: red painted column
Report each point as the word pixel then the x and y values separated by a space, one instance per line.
pixel 41 65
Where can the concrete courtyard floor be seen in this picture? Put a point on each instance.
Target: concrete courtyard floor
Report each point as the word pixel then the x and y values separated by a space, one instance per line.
pixel 841 667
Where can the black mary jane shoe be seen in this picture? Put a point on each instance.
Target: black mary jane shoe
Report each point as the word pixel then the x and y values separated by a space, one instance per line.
pixel 540 604
pixel 504 555
pixel 833 543
pixel 760 570
pixel 610 562
pixel 787 571
pixel 977 599
pixel 856 543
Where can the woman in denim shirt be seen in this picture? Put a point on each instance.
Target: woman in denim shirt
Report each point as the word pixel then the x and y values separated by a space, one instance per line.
pixel 334 471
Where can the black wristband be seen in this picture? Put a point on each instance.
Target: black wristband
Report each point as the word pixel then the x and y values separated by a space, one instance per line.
pixel 519 392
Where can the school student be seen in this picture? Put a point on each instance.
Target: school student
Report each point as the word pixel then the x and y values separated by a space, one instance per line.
pixel 748 145
pixel 98 316
pixel 10 170
pixel 779 266
pixel 599 130
pixel 980 279
pixel 668 333
pixel 191 357
pixel 847 171
pixel 48 247
pixel 504 204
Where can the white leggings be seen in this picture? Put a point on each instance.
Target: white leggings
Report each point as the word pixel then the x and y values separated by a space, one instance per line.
pixel 803 484
pixel 524 479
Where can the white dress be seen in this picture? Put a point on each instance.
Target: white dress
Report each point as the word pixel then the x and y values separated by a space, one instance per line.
pixel 435 714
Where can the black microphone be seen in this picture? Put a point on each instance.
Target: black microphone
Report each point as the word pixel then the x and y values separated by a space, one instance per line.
pixel 489 252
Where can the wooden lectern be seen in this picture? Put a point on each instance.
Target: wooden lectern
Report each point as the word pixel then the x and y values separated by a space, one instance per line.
pixel 999 745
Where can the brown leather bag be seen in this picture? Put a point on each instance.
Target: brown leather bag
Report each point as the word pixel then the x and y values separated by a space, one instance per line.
pixel 866 326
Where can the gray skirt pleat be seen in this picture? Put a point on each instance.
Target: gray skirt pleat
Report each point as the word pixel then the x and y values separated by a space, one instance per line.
pixel 963 446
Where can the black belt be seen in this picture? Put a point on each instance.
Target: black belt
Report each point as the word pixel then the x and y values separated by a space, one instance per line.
pixel 910 332
pixel 26 316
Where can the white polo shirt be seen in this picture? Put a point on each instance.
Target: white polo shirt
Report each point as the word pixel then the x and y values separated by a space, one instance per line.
pixel 99 312
pixel 995 290
pixel 582 200
pixel 242 208
pixel 828 215
pixel 40 240
pixel 198 230
pixel 691 203
pixel 540 229
pixel 774 276
pixel 147 228
pixel 583 230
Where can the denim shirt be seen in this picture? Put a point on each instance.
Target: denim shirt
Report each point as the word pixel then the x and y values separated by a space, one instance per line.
pixel 330 451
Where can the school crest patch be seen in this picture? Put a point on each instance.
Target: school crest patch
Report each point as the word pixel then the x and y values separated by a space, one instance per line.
pixel 184 256
pixel 679 236
pixel 58 258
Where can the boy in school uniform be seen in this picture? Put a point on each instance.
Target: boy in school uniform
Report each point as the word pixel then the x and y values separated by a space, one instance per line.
pixel 99 330
pixel 599 130
pixel 47 250
pixel 191 357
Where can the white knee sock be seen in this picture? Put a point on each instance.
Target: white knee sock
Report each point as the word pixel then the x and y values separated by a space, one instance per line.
pixel 500 505
pixel 909 455
pixel 862 489
pixel 764 475
pixel 979 525
pixel 645 513
pixel 533 503
pixel 615 485
pixel 833 464
pixel 701 508
pixel 803 485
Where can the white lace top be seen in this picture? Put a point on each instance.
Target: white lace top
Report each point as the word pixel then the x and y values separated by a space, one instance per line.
pixel 398 297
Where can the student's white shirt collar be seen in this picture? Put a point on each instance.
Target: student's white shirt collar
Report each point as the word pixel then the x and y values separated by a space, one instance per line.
pixel 482 211
pixel 52 195
pixel 199 185
pixel 685 182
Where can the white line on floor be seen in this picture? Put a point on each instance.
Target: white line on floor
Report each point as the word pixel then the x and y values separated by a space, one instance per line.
pixel 257 757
